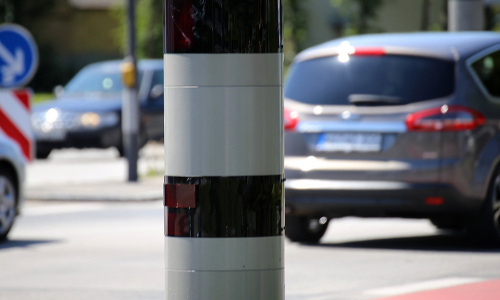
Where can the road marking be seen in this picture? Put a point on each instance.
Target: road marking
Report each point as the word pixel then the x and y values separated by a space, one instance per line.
pixel 484 290
pixel 421 286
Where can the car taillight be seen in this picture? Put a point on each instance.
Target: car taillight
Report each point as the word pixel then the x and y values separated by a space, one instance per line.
pixel 445 118
pixel 291 119
pixel 376 51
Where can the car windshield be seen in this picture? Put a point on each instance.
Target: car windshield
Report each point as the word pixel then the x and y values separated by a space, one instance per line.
pixel 96 79
pixel 406 79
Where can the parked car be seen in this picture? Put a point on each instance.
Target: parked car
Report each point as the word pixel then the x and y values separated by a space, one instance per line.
pixel 395 125
pixel 87 111
pixel 11 184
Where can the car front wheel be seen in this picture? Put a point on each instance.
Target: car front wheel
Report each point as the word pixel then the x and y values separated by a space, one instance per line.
pixel 7 202
pixel 305 229
pixel 42 154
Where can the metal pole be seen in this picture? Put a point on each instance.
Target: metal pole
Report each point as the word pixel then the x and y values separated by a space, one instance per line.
pixel 130 110
pixel 465 15
pixel 224 194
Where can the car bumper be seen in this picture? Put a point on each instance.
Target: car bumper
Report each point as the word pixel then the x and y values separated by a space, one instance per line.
pixel 338 198
pixel 100 138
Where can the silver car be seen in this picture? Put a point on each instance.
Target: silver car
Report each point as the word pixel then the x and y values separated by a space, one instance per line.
pixel 395 125
pixel 11 184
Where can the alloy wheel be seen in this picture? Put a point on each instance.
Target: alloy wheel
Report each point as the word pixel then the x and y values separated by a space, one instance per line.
pixel 7 204
pixel 496 204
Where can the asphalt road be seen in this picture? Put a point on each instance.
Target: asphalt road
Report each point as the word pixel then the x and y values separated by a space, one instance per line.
pixel 81 250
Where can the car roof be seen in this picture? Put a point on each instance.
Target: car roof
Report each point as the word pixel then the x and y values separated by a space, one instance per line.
pixel 446 45
pixel 143 64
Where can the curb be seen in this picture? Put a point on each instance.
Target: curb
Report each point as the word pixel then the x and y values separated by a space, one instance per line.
pixel 146 190
pixel 73 197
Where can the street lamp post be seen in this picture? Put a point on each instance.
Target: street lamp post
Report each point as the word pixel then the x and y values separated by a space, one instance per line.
pixel 130 107
pixel 224 217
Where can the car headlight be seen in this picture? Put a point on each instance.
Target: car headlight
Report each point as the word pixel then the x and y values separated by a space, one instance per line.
pixel 46 120
pixel 51 115
pixel 54 119
pixel 90 119
pixel 94 120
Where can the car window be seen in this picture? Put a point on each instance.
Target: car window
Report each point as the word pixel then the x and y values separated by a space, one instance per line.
pixel 330 81
pixel 488 71
pixel 97 79
pixel 157 78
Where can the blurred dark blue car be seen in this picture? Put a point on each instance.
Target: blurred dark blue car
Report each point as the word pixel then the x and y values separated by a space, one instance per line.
pixel 87 112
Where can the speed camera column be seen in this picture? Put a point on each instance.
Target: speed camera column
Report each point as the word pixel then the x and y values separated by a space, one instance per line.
pixel 224 217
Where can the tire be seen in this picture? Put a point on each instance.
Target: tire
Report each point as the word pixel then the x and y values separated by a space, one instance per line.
pixel 121 151
pixel 143 138
pixel 485 230
pixel 8 196
pixel 42 154
pixel 304 229
pixel 448 223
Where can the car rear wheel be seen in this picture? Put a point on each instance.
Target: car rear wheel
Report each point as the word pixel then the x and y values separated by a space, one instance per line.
pixel 486 228
pixel 305 229
pixel 448 223
pixel 7 202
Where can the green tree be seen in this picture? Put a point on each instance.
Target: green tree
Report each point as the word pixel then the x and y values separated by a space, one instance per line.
pixel 424 25
pixel 24 11
pixel 442 23
pixel 6 11
pixel 359 13
pixel 149 27
pixel 28 13
pixel 149 22
pixel 295 28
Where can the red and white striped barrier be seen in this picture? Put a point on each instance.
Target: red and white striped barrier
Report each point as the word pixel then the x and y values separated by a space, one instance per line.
pixel 15 119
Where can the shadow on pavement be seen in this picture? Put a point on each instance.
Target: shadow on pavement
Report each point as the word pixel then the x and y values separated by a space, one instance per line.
pixel 443 242
pixel 22 243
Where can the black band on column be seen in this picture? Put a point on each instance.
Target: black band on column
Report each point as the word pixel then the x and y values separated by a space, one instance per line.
pixel 242 206
pixel 223 26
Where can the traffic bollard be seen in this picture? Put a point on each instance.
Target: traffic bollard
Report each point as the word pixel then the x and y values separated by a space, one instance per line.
pixel 223 196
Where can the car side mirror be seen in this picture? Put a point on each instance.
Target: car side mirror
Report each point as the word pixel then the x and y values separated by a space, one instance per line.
pixel 59 91
pixel 156 91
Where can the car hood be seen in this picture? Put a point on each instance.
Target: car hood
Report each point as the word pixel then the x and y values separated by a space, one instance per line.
pixel 77 104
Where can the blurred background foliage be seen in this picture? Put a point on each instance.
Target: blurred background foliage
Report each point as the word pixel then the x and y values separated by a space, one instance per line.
pixel 294 28
pixel 149 22
pixel 149 28
pixel 27 13
pixel 358 13
pixel 24 12
pixel 73 33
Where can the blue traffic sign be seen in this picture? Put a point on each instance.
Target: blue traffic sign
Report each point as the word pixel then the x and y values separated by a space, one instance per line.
pixel 18 56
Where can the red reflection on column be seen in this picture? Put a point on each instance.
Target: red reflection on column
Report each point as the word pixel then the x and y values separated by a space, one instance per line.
pixel 177 224
pixel 183 25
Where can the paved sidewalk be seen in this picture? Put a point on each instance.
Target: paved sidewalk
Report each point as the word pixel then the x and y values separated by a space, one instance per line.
pixel 147 189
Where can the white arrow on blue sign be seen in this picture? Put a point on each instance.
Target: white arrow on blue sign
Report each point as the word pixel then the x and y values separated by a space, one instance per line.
pixel 18 56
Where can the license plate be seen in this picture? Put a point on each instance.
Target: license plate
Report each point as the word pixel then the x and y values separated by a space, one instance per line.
pixel 52 135
pixel 350 142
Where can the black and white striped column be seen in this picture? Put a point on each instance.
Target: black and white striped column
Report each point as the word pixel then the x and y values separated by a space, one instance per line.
pixel 224 217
